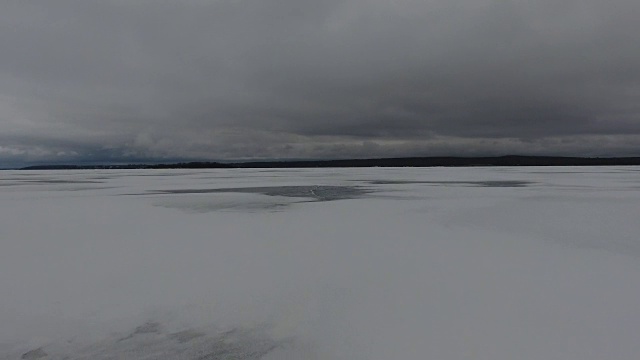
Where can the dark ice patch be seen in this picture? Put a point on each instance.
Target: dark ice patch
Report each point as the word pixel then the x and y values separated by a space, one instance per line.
pixel 316 192
pixel 61 181
pixel 504 183
pixel 495 183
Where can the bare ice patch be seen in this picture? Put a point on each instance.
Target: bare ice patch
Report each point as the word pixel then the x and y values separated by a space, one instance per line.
pixel 315 192
pixel 492 183
pixel 253 198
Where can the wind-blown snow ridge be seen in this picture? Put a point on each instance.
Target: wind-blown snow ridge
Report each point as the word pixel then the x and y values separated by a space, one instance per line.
pixel 151 341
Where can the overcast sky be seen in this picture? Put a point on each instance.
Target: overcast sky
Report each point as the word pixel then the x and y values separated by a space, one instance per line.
pixel 118 80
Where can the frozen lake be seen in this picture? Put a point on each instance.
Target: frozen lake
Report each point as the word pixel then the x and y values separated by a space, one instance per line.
pixel 321 264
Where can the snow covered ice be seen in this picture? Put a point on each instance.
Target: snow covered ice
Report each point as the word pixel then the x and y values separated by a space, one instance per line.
pixel 321 264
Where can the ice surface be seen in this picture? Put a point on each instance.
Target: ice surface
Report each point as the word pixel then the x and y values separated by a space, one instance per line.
pixel 372 263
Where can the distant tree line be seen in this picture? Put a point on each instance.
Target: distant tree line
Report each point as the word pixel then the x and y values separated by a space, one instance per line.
pixel 390 162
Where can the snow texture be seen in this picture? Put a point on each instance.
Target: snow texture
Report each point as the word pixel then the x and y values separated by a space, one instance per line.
pixel 321 264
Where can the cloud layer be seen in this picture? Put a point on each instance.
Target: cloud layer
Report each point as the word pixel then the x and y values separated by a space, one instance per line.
pixel 117 80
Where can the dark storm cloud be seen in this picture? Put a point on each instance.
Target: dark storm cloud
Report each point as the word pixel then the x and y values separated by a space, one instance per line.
pixel 301 78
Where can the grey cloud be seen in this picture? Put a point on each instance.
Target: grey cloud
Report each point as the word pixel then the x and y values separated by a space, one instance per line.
pixel 283 78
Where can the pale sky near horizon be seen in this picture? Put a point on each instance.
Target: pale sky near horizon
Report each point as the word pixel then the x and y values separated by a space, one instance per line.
pixel 118 80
